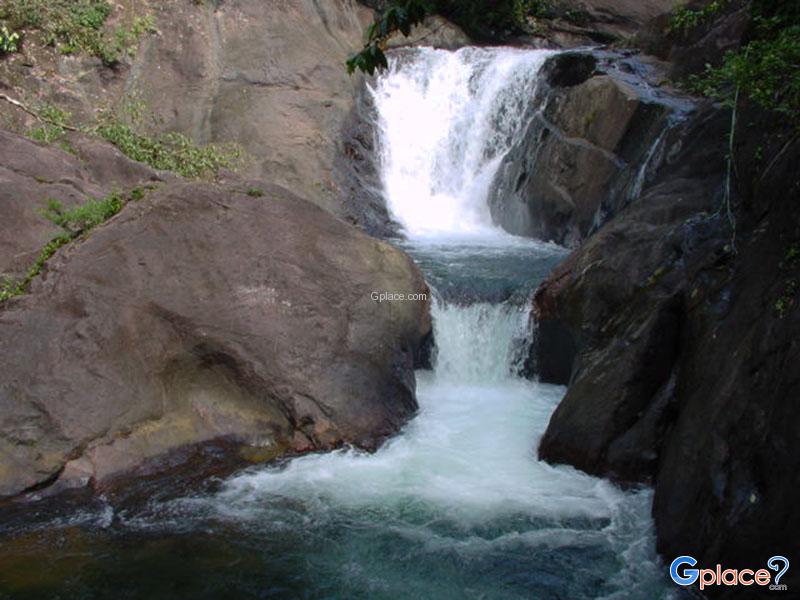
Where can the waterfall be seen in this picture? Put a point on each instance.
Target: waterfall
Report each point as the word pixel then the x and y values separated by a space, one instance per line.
pixel 479 342
pixel 650 163
pixel 457 505
pixel 445 122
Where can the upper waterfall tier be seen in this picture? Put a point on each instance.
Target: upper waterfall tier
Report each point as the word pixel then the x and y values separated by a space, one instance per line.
pixel 445 121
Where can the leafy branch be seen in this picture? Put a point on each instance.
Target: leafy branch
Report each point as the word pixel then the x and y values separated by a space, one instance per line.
pixel 401 17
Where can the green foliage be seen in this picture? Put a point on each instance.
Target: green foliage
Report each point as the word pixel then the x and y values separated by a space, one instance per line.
pixel 9 40
pixel 10 288
pixel 402 17
pixel 86 216
pixel 75 221
pixel 75 26
pixel 172 151
pixel 766 70
pixel 69 25
pixel 255 192
pixel 53 126
pixel 684 19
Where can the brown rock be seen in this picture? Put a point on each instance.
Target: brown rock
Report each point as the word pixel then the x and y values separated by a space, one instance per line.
pixel 616 18
pixel 577 164
pixel 267 75
pixel 203 313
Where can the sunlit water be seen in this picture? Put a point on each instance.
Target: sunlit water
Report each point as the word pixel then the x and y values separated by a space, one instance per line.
pixel 455 506
pixel 446 120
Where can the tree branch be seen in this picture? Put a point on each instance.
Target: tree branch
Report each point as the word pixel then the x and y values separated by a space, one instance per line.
pixel 32 112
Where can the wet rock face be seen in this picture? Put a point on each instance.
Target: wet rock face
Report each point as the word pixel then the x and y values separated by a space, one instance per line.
pixel 356 171
pixel 203 313
pixel 577 165
pixel 621 298
pixel 681 376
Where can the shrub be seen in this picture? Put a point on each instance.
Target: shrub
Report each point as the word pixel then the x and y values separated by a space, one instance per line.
pixel 54 126
pixel 766 68
pixel 684 19
pixel 172 151
pixel 9 41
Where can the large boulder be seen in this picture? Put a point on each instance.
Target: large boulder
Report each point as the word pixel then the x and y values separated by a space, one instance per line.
pixel 619 299
pixel 202 313
pixel 591 138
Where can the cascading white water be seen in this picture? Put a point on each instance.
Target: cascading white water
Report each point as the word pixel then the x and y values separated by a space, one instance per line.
pixel 469 452
pixel 458 505
pixel 445 121
pixel 479 343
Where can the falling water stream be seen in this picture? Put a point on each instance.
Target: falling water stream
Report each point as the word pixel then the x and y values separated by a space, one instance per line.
pixel 457 505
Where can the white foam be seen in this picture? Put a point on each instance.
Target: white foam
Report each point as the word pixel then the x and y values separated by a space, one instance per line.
pixel 445 121
pixel 470 454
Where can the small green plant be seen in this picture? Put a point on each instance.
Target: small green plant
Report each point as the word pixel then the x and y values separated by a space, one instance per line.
pixel 137 193
pixel 765 70
pixel 684 20
pixel 172 151
pixel 53 127
pixel 87 216
pixel 255 192
pixel 9 41
pixel 787 298
pixel 127 38
pixel 10 288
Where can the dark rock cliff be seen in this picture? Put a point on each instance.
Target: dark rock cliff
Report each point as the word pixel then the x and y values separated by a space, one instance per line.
pixel 682 340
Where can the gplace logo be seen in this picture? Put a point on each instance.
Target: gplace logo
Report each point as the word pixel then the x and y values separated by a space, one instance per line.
pixel 719 576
